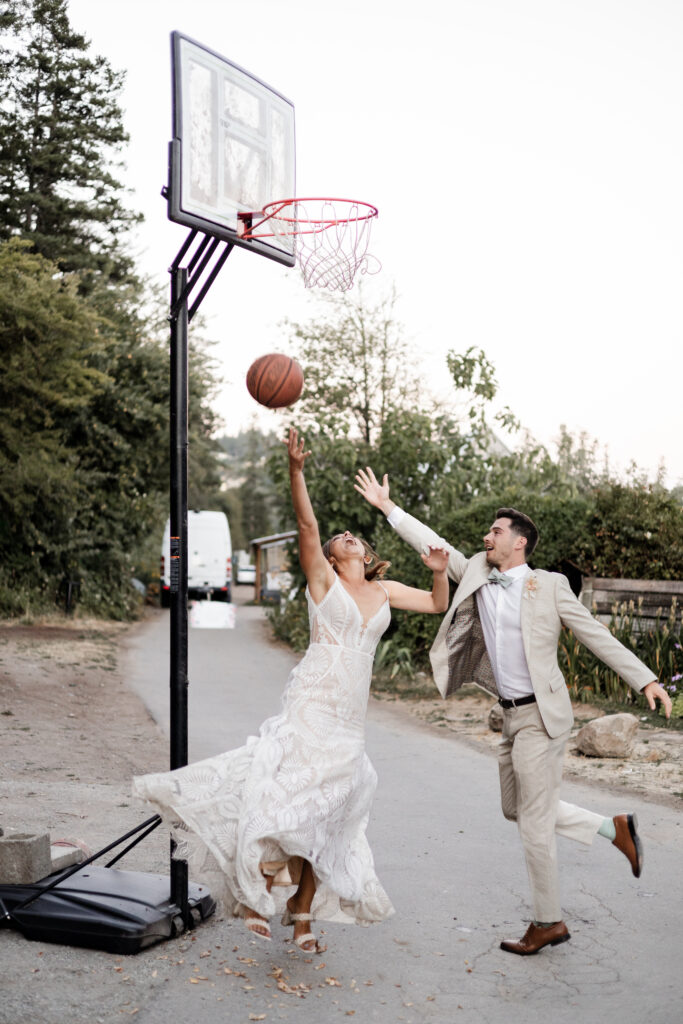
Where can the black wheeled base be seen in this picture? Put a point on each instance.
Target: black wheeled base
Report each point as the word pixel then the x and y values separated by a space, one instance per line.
pixel 102 908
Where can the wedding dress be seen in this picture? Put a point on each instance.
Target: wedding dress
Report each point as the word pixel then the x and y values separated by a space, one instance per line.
pixel 300 789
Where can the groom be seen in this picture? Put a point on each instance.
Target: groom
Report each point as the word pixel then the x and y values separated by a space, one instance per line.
pixel 501 632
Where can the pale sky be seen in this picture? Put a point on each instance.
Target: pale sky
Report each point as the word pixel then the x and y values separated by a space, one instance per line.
pixel 525 157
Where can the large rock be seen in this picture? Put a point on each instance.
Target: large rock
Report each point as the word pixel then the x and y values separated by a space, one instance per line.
pixel 611 736
pixel 496 718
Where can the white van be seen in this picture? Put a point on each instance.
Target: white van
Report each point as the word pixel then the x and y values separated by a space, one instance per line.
pixel 209 562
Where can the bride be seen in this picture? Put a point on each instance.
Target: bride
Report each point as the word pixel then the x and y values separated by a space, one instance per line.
pixel 288 811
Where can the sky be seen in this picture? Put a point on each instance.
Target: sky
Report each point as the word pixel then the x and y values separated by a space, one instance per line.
pixel 525 158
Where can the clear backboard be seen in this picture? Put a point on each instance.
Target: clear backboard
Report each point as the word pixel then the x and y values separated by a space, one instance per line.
pixel 233 147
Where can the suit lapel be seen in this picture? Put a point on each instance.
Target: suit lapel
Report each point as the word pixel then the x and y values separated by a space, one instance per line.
pixel 528 609
pixel 476 575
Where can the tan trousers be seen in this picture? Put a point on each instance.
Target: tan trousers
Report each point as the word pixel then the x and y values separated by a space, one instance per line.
pixel 530 765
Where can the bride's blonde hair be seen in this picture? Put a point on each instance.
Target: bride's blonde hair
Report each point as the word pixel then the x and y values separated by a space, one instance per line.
pixel 375 568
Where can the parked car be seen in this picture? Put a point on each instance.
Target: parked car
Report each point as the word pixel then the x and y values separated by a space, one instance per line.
pixel 209 562
pixel 245 572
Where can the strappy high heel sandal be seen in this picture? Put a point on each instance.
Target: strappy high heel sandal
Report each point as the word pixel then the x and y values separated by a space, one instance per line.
pixel 303 940
pixel 253 923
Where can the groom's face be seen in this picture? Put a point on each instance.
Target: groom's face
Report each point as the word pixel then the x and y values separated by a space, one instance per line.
pixel 501 544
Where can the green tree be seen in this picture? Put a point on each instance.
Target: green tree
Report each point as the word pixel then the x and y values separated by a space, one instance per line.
pixel 84 445
pixel 61 136
pixel 449 467
pixel 48 345
pixel 355 366
pixel 635 531
pixel 248 495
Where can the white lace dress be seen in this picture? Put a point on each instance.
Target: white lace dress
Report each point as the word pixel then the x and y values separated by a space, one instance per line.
pixel 302 788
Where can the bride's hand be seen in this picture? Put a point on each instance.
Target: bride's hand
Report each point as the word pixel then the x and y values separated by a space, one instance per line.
pixel 295 450
pixel 436 559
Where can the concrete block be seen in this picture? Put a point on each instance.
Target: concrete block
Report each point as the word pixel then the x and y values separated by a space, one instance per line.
pixel 65 854
pixel 24 858
pixel 62 857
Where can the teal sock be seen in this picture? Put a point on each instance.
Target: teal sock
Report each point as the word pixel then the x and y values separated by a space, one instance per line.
pixel 608 830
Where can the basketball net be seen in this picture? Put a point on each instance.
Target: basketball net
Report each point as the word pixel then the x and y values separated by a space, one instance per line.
pixel 331 238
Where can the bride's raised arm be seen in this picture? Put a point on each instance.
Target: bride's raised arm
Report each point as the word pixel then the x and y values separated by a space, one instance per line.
pixel 317 570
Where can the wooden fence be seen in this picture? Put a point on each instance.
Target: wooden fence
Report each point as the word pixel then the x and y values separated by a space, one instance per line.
pixel 657 596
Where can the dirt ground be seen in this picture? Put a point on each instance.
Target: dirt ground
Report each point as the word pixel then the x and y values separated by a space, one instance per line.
pixel 72 734
pixel 71 731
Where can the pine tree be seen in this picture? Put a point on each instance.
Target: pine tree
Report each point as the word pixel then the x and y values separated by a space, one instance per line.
pixel 61 136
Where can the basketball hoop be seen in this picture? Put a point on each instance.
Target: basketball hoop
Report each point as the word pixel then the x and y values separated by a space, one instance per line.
pixel 331 237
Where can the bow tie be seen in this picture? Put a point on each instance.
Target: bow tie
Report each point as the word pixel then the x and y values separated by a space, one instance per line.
pixel 500 577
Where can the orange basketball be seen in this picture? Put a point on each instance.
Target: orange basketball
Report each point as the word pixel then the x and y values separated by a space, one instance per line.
pixel 275 380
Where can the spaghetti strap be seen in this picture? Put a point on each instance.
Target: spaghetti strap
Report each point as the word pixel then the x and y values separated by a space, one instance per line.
pixel 379 583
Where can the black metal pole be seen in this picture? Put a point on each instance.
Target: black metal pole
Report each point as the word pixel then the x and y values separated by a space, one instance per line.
pixel 178 588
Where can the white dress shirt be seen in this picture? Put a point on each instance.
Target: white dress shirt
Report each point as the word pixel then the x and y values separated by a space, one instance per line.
pixel 500 611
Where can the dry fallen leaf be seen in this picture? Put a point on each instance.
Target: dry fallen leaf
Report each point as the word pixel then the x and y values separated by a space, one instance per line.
pixel 257 1016
pixel 333 981
pixel 206 952
pixel 299 989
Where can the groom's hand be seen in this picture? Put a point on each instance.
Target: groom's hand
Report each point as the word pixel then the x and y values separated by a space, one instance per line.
pixel 653 691
pixel 373 491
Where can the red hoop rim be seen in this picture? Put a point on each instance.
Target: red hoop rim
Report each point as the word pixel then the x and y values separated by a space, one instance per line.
pixel 271 210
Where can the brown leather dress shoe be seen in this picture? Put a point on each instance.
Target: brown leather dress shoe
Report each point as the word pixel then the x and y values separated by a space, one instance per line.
pixel 536 938
pixel 628 841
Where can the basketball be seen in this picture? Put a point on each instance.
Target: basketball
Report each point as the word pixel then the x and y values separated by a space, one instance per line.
pixel 275 380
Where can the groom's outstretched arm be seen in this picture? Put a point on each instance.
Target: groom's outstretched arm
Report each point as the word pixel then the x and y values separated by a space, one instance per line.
pixel 411 530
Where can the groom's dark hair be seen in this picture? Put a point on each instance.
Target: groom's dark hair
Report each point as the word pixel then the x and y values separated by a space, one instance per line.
pixel 523 526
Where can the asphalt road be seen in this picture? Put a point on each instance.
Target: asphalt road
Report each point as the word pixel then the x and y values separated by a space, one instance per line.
pixel 453 868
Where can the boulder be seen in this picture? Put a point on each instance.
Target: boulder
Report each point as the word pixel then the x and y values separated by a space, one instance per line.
pixel 610 736
pixel 496 718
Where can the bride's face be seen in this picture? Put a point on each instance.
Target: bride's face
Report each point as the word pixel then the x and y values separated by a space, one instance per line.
pixel 344 546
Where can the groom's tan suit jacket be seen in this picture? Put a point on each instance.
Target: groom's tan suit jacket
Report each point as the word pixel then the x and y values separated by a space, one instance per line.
pixel 459 655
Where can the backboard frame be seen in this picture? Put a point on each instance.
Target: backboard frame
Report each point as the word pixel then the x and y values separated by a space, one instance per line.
pixel 218 216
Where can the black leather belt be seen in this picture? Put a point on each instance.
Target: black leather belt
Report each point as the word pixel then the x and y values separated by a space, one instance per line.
pixel 531 699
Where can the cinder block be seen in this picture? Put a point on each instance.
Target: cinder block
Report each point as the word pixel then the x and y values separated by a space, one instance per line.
pixel 65 856
pixel 24 858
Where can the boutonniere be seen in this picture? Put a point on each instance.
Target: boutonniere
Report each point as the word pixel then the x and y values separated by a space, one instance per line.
pixel 530 585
